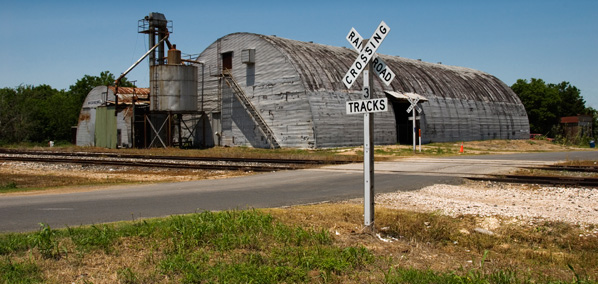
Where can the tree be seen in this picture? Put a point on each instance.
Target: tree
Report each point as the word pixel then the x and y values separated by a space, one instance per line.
pixel 14 118
pixel 541 103
pixel 84 85
pixel 29 113
pixel 546 103
pixel 572 103
pixel 42 113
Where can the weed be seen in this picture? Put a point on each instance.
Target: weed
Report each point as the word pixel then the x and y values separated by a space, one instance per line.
pixel 19 272
pixel 127 276
pixel 357 257
pixel 9 185
pixel 45 240
pixel 95 237
pixel 14 242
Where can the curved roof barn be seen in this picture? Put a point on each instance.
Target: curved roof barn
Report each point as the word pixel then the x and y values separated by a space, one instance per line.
pixel 296 87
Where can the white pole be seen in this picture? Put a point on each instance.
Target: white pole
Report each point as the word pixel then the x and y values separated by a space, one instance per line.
pixel 420 139
pixel 413 129
pixel 368 155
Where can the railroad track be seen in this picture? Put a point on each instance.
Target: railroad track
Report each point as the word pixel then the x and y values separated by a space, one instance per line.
pixel 552 180
pixel 587 169
pixel 204 163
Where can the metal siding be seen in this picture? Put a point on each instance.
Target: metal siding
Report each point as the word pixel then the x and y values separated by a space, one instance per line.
pixel 87 117
pixel 277 93
pixel 105 127
pixel 297 88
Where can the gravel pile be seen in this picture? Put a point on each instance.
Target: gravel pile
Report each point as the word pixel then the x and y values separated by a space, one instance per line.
pixel 530 203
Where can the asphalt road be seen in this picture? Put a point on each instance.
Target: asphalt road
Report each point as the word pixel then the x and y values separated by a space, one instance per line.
pixel 25 213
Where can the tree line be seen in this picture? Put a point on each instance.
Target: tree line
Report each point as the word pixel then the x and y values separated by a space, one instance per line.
pixel 39 114
pixel 545 103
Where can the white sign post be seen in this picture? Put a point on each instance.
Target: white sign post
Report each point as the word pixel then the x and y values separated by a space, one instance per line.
pixel 367 50
pixel 412 108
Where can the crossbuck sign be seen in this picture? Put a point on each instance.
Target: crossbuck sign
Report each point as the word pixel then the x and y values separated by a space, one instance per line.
pixel 367 106
pixel 412 108
pixel 366 53
pixel 379 66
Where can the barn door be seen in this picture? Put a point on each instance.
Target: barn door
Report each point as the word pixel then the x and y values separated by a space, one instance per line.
pixel 403 124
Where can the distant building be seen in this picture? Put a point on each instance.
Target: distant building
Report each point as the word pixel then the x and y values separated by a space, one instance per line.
pixel 99 125
pixel 575 127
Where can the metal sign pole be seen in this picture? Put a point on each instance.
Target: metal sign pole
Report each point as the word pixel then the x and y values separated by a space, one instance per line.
pixel 414 141
pixel 368 155
pixel 420 139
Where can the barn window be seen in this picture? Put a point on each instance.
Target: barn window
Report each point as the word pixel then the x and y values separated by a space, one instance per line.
pixel 227 61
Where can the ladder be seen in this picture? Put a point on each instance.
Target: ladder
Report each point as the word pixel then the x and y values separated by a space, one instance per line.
pixel 240 93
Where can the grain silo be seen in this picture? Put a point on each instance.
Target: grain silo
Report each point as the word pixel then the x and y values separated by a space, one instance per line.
pixel 166 114
pixel 267 91
pixel 173 114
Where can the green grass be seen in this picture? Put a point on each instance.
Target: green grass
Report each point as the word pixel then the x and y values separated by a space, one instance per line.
pixel 19 272
pixel 230 246
pixel 252 246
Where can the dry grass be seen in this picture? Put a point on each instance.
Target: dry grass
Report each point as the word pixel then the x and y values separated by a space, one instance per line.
pixel 441 243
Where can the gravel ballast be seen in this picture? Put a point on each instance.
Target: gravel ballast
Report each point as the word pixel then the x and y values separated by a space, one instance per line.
pixel 530 203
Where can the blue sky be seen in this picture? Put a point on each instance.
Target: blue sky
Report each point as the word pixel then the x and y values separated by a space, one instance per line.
pixel 58 42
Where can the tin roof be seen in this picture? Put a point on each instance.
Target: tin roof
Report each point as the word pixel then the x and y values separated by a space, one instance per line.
pixel 322 67
pixel 126 94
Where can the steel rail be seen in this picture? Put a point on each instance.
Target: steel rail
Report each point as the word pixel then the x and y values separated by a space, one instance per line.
pixel 160 164
pixel 180 158
pixel 553 180
pixel 589 169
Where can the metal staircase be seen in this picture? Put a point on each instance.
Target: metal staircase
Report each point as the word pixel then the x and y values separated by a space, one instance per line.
pixel 240 93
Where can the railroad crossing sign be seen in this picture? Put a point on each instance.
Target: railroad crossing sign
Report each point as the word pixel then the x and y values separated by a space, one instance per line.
pixel 412 108
pixel 379 66
pixel 366 54
pixel 367 51
pixel 413 105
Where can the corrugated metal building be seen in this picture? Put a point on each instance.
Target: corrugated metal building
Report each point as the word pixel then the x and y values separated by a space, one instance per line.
pixel 100 126
pixel 266 91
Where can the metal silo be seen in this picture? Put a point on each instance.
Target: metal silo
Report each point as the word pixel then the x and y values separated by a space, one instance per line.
pixel 173 87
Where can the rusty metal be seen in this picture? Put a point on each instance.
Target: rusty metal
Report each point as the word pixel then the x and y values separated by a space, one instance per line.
pixel 128 95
